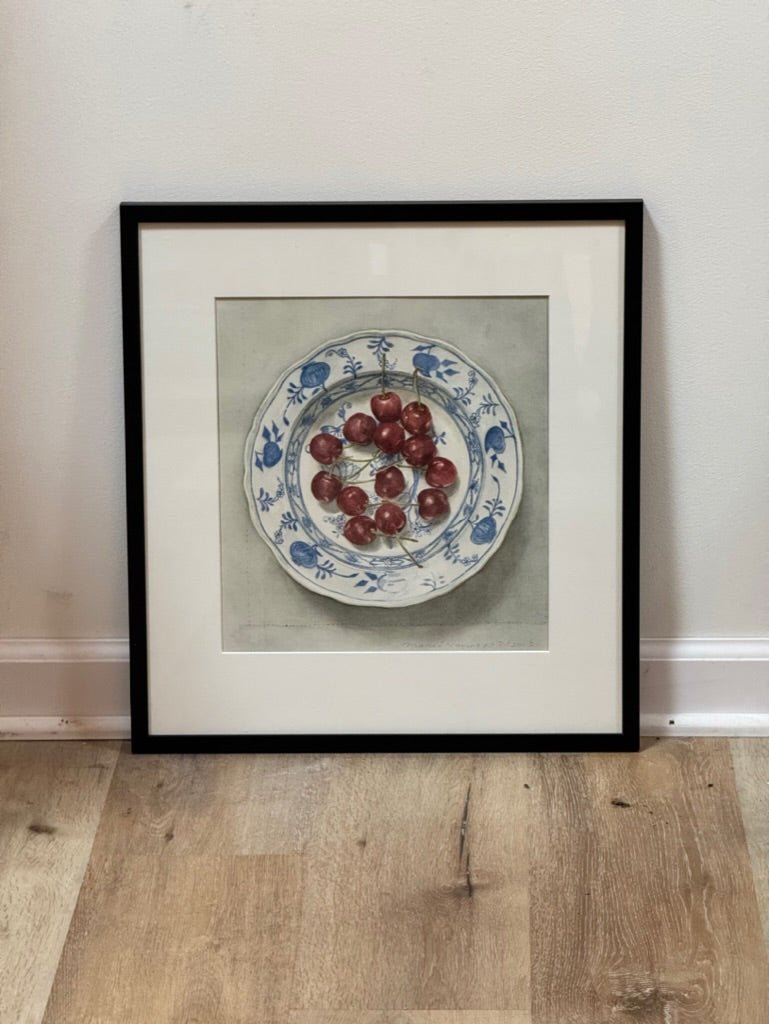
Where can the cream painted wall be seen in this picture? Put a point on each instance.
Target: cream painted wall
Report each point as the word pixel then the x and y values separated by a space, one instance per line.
pixel 105 100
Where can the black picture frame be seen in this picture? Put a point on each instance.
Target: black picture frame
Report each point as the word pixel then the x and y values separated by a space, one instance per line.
pixel 134 215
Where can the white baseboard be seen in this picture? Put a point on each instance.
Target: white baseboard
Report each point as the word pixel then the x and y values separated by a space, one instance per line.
pixel 78 689
pixel 714 679
pixel 42 727
pixel 62 651
pixel 720 724
pixel 44 682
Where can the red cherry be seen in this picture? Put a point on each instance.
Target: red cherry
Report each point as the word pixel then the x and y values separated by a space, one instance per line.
pixel 441 472
pixel 386 406
pixel 353 501
pixel 325 448
pixel 432 503
pixel 389 482
pixel 418 450
pixel 389 437
pixel 417 418
pixel 325 486
pixel 360 530
pixel 359 428
pixel 390 518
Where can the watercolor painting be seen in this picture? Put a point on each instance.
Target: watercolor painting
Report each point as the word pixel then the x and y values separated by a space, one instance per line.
pixel 382 471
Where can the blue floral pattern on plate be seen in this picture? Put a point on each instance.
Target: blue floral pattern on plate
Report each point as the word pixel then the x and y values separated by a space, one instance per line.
pixel 473 423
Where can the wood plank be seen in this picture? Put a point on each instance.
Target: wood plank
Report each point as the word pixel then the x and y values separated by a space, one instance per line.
pixel 51 796
pixel 409 890
pixel 642 902
pixel 416 893
pixel 189 911
pixel 409 1017
pixel 180 940
pixel 209 805
pixel 750 758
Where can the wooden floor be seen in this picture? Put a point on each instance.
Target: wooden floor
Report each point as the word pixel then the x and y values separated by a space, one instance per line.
pixel 496 889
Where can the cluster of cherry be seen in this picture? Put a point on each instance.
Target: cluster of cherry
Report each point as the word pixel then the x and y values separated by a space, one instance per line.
pixel 387 429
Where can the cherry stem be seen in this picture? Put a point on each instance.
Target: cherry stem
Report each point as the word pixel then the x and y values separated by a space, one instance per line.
pixel 360 466
pixel 406 550
pixel 384 364
pixel 392 501
pixel 416 385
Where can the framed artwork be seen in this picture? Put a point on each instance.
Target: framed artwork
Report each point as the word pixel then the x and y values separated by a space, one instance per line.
pixel 382 470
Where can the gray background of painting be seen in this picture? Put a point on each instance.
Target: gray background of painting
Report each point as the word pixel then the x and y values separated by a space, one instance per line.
pixel 505 605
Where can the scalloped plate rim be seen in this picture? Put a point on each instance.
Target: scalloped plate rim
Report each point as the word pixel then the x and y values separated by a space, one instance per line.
pixel 310 584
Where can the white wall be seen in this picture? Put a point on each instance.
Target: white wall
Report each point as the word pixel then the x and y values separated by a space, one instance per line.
pixel 106 100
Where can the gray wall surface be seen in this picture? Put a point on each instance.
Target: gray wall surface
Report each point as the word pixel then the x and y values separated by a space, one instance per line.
pixel 111 101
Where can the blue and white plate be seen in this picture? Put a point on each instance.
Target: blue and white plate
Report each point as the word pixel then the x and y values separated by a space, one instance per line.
pixel 473 425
